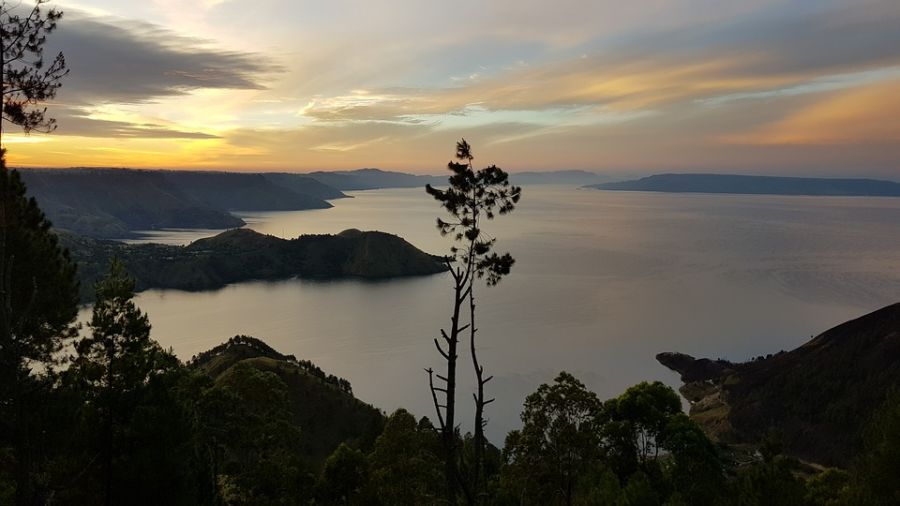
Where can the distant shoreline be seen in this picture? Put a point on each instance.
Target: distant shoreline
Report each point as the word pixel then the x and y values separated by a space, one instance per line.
pixel 756 185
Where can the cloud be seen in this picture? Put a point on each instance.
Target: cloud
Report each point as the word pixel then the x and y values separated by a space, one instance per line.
pixel 78 122
pixel 122 61
pixel 115 62
pixel 767 54
pixel 662 85
pixel 864 115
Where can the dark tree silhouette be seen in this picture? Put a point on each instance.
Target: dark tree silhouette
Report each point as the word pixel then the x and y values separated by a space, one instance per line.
pixel 38 303
pixel 472 196
pixel 27 79
pixel 38 291
pixel 116 361
pixel 557 446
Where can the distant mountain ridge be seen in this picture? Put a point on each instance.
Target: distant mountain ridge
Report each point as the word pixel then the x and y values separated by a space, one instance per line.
pixel 114 203
pixel 243 254
pixel 373 179
pixel 558 177
pixel 818 397
pixel 757 185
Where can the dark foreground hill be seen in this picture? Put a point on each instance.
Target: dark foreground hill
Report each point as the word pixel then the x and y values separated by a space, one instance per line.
pixel 242 254
pixel 113 203
pixel 757 185
pixel 817 398
pixel 322 405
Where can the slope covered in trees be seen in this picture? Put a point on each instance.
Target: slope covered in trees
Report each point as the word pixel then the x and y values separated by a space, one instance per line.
pixel 818 397
pixel 322 405
pixel 113 203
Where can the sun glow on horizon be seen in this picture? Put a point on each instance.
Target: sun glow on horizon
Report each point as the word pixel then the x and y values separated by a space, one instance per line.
pixel 598 87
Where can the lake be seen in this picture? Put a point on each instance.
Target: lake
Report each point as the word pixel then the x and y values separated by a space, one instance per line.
pixel 602 282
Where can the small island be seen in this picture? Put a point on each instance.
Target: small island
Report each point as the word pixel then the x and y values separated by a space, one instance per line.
pixel 242 254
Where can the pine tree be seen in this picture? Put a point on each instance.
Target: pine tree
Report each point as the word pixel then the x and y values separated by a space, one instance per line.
pixel 472 197
pixel 115 363
pixel 38 304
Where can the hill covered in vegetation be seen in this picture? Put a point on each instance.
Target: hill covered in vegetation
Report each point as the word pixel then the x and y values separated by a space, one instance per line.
pixel 756 185
pixel 113 203
pixel 818 398
pixel 242 254
pixel 321 405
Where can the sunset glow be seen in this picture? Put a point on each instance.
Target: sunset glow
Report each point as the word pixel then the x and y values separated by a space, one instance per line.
pixel 768 86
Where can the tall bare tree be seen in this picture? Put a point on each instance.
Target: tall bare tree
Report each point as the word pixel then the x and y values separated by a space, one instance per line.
pixel 472 197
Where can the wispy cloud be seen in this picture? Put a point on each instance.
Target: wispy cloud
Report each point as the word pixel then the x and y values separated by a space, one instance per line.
pixel 803 85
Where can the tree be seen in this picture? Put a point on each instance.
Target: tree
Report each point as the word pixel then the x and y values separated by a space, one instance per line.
pixel 634 425
pixel 115 364
pixel 345 478
pixel 38 303
pixel 27 79
pixel 38 292
pixel 405 470
pixel 549 459
pixel 246 425
pixel 472 196
pixel 874 474
pixel 694 469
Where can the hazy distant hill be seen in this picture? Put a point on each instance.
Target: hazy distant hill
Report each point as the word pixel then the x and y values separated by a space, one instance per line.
pixel 113 202
pixel 235 191
pixel 371 179
pixel 759 185
pixel 242 254
pixel 818 397
pixel 305 185
pixel 572 177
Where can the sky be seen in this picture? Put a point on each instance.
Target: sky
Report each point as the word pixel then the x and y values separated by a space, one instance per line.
pixel 783 87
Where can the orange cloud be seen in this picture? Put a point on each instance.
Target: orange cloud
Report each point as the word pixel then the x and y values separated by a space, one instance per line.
pixel 863 115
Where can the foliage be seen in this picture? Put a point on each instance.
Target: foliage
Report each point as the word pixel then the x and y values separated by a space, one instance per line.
pixel 37 280
pixel 246 422
pixel 38 303
pixel 247 347
pixel 405 465
pixel 634 425
pixel 694 469
pixel 27 81
pixel 558 444
pixel 471 197
pixel 125 380
pixel 474 194
pixel 874 474
pixel 345 478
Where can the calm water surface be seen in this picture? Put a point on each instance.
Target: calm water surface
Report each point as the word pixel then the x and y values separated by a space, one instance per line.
pixel 603 281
